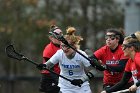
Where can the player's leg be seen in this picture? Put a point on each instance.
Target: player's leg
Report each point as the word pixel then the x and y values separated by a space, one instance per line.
pixel 56 88
pixel 47 84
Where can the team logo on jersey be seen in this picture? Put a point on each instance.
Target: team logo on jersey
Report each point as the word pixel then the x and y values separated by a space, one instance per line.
pixel 134 73
pixel 70 66
pixel 112 62
pixel 113 57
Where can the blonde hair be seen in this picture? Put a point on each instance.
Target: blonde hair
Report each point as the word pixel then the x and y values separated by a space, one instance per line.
pixel 138 35
pixel 134 40
pixel 72 38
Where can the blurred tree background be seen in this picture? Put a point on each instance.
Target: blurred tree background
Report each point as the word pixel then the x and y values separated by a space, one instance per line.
pixel 25 24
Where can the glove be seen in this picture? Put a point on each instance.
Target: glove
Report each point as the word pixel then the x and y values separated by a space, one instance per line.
pixel 77 82
pixel 41 66
pixel 95 63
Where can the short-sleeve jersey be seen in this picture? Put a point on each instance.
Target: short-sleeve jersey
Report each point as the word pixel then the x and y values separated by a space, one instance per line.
pixel 133 66
pixel 48 52
pixel 70 68
pixel 111 59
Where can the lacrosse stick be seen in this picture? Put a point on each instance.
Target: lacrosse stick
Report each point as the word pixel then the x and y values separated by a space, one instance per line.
pixel 63 40
pixel 121 91
pixel 10 51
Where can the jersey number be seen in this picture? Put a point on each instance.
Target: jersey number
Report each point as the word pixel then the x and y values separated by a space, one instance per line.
pixel 70 72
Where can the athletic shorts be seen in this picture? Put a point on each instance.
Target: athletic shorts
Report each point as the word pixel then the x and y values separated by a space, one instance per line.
pixel 82 89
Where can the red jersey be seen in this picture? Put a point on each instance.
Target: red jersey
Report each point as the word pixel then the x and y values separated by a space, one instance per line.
pixel 111 59
pixel 133 66
pixel 48 52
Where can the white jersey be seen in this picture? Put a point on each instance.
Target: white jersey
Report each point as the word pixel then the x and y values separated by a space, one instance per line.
pixel 70 68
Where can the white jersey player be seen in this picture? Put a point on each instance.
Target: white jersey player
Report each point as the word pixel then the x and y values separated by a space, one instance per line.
pixel 72 66
pixel 71 69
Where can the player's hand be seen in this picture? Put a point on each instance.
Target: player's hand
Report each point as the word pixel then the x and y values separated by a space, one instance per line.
pixel 97 64
pixel 77 82
pixel 41 66
pixel 133 88
pixel 103 65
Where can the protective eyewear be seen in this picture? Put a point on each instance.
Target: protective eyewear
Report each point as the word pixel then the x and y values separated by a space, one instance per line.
pixel 126 46
pixel 133 36
pixel 65 46
pixel 112 37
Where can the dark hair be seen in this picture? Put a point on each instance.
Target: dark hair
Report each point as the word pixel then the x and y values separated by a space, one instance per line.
pixel 119 33
pixel 53 27
pixel 54 30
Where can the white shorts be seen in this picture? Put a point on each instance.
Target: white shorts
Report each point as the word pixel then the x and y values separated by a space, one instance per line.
pixel 83 89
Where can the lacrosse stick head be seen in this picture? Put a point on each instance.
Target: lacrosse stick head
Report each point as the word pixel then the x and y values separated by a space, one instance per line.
pixel 10 51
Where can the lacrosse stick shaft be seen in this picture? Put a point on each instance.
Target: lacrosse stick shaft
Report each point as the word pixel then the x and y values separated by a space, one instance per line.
pixel 79 53
pixel 63 40
pixel 26 59
pixel 47 69
pixel 96 64
pixel 121 91
pixel 10 51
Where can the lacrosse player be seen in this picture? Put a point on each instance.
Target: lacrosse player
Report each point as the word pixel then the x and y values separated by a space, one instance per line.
pixel 131 49
pixel 48 82
pixel 72 65
pixel 111 56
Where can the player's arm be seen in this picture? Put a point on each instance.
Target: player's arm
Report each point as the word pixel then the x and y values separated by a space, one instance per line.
pixel 86 77
pixel 94 60
pixel 90 73
pixel 95 63
pixel 44 65
pixel 47 65
pixel 120 84
pixel 46 59
pixel 119 68
pixel 50 63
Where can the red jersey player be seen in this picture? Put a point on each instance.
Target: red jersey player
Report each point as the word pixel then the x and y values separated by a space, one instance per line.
pixel 48 82
pixel 112 57
pixel 131 48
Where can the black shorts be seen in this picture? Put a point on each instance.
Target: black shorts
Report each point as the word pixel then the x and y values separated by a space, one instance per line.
pixel 48 84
